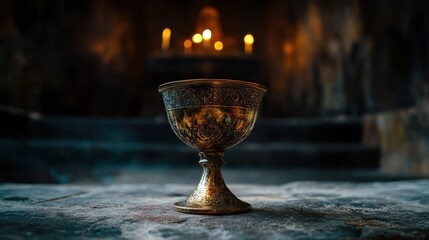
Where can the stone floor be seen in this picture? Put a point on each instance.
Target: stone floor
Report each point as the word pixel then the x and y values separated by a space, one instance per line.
pixel 297 210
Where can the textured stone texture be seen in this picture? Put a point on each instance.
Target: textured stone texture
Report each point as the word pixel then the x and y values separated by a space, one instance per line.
pixel 301 210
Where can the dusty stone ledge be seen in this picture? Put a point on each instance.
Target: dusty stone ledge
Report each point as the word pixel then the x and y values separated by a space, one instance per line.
pixel 300 210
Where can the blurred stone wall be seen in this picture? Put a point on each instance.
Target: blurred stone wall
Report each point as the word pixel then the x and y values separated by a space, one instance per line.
pixel 321 58
pixel 403 137
pixel 72 57
pixel 347 57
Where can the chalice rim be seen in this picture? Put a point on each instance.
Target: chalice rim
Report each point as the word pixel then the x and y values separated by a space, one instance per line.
pixel 211 82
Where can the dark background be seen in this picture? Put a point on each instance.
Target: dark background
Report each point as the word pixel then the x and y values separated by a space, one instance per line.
pixel 348 86
pixel 318 58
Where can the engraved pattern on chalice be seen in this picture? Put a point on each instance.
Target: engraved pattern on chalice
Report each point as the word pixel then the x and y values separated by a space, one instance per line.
pixel 212 115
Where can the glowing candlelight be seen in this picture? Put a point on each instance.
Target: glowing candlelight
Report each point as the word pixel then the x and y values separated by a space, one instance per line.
pixel 248 44
pixel 197 38
pixel 187 44
pixel 218 45
pixel 166 35
pixel 207 35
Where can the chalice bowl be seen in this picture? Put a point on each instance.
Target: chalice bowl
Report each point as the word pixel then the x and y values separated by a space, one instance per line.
pixel 212 115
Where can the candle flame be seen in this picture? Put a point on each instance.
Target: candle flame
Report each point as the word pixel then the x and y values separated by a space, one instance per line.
pixel 218 45
pixel 248 39
pixel 187 43
pixel 166 33
pixel 248 43
pixel 197 38
pixel 207 34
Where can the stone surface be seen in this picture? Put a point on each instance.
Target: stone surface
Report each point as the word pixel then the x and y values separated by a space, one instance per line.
pixel 300 210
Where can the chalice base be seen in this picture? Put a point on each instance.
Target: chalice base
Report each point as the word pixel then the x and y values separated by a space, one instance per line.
pixel 236 207
pixel 212 196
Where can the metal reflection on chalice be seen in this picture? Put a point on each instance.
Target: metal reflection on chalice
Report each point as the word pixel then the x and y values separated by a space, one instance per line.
pixel 212 115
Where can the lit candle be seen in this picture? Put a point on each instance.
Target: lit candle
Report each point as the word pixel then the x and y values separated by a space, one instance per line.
pixel 197 38
pixel 166 35
pixel 207 35
pixel 187 44
pixel 218 45
pixel 248 44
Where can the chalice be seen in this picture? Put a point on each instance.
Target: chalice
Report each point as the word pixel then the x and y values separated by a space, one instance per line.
pixel 212 115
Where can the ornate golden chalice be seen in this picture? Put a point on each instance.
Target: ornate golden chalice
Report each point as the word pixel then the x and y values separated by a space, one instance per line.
pixel 212 115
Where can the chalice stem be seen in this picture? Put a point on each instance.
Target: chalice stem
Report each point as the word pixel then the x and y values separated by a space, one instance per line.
pixel 212 196
pixel 212 179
